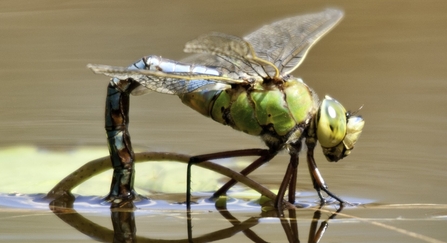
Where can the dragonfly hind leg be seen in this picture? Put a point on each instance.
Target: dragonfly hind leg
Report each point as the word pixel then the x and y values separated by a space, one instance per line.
pixel 265 156
pixel 120 148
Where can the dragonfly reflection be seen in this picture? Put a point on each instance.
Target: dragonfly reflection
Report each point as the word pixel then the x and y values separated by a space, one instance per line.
pixel 125 228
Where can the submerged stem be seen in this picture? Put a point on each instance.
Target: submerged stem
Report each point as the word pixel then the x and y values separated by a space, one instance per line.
pixel 97 166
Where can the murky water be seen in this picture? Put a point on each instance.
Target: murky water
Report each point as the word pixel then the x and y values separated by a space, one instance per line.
pixel 389 56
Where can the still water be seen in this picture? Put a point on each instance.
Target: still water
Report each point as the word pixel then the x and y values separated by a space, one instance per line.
pixel 389 56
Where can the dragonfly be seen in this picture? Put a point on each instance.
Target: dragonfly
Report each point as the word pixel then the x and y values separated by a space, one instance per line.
pixel 244 83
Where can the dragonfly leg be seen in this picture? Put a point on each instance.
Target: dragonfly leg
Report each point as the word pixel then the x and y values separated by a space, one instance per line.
pixel 120 148
pixel 287 181
pixel 265 156
pixel 283 187
pixel 290 176
pixel 294 149
pixel 317 178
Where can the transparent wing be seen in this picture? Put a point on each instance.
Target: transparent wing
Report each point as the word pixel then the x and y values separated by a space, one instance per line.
pixel 163 82
pixel 285 43
pixel 221 45
pixel 237 55
pixel 232 66
pixel 273 50
pixel 279 46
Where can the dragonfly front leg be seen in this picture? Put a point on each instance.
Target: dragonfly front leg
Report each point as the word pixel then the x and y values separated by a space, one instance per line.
pixel 317 178
pixel 120 148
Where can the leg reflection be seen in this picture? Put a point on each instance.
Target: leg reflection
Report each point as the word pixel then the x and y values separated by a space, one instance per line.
pixel 316 235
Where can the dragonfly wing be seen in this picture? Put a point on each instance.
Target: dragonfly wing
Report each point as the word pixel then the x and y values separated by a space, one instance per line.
pixel 231 52
pixel 221 45
pixel 232 67
pixel 163 82
pixel 285 43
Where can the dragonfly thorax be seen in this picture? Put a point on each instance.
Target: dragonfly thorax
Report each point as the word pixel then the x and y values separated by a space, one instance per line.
pixel 276 111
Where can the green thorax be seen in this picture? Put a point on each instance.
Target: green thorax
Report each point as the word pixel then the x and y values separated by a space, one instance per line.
pixel 273 108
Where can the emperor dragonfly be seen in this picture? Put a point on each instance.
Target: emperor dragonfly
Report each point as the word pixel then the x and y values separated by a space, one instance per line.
pixel 244 83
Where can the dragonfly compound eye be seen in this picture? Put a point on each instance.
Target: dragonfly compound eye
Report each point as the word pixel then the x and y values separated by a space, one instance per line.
pixel 354 129
pixel 337 131
pixel 331 123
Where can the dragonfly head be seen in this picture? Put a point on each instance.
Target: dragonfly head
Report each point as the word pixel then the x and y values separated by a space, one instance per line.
pixel 337 130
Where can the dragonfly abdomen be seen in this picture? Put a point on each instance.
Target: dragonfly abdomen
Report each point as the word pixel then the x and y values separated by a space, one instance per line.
pixel 157 63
